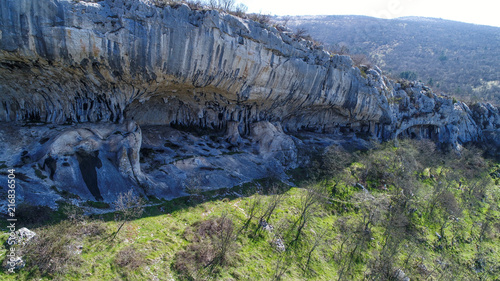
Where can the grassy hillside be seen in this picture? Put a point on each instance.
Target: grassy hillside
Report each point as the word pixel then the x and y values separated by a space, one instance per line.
pixel 457 58
pixel 381 214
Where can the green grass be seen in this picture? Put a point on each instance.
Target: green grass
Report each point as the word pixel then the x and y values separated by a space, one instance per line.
pixel 98 205
pixel 64 194
pixel 360 229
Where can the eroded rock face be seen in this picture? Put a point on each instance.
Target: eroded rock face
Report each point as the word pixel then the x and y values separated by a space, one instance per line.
pixel 103 61
pixel 272 142
pixel 101 64
pixel 487 117
pixel 93 162
pixel 187 162
pixel 114 60
pixel 97 162
pixel 233 135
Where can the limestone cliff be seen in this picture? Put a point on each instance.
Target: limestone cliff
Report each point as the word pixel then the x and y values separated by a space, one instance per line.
pixel 67 62
pixel 113 60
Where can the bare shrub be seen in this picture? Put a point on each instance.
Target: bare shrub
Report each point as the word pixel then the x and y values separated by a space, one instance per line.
pixel 339 49
pixel 162 3
pixel 260 18
pixel 300 32
pixel 222 5
pixel 449 203
pixel 360 59
pixel 240 10
pixel 55 249
pixel 129 206
pixel 129 258
pixel 195 4
pixel 49 252
pixel 213 245
pixel 95 229
pixel 192 4
pixel 285 20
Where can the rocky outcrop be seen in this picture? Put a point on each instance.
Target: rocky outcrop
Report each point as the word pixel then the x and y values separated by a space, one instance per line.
pixel 89 74
pixel 114 59
pixel 272 142
pixel 66 61
pixel 97 162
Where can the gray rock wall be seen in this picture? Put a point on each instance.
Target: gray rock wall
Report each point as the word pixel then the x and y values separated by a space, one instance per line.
pixel 70 69
pixel 66 61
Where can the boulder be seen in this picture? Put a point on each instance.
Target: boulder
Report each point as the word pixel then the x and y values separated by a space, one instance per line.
pixel 272 142
pixel 21 237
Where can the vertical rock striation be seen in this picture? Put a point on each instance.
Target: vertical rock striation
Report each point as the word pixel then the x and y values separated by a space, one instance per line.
pixel 64 61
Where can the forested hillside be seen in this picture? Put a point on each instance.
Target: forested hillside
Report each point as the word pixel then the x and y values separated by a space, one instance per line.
pixel 456 58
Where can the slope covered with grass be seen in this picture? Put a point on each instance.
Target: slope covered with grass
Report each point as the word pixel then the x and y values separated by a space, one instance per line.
pixel 383 214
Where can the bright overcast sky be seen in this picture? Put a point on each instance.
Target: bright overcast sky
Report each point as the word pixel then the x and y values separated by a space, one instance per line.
pixel 485 12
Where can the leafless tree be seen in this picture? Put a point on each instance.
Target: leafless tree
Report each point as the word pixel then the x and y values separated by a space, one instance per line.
pixel 314 196
pixel 253 211
pixel 283 262
pixel 223 5
pixel 273 202
pixel 129 206
pixel 240 10
pixel 316 242
pixel 354 239
pixel 284 254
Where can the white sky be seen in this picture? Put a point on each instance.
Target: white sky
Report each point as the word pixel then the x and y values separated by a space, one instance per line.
pixel 485 12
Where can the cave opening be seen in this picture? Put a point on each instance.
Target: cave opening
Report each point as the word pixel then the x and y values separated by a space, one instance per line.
pixel 430 132
pixel 88 163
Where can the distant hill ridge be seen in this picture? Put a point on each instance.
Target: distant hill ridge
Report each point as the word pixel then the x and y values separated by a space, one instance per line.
pixel 457 58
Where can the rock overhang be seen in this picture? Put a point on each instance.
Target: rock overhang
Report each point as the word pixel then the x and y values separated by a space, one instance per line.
pixel 115 63
pixel 90 62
